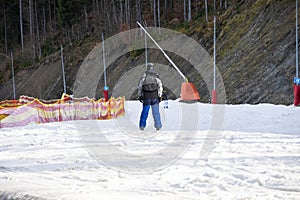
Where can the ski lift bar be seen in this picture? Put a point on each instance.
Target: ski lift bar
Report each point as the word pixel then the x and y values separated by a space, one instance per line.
pixel 189 92
pixel 168 58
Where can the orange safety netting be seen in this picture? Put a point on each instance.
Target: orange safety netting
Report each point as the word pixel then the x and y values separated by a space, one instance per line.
pixel 29 110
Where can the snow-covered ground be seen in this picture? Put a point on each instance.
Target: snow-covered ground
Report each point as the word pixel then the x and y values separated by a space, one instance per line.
pixel 203 152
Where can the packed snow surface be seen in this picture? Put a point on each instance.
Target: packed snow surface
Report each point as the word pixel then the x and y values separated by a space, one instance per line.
pixel 203 151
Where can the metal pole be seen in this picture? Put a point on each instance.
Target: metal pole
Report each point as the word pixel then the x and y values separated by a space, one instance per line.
pixel 169 59
pixel 146 49
pixel 63 69
pixel 214 52
pixel 103 55
pixel 297 72
pixel 13 74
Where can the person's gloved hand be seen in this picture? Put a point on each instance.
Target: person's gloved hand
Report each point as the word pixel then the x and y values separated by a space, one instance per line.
pixel 141 99
pixel 160 99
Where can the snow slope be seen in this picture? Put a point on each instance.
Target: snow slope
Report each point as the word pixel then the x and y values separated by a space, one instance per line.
pixel 203 152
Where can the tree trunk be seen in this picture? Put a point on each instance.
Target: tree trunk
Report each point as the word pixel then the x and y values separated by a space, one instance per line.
pixel 21 26
pixel 215 5
pixel 30 20
pixel 54 15
pixel 44 18
pixel 97 6
pixel 190 11
pixel 184 10
pixel 86 19
pixel 94 6
pixel 31 25
pixel 5 28
pixel 121 11
pixel 115 13
pixel 138 10
pixel 197 6
pixel 154 13
pixel 99 16
pixel 206 11
pixel 151 7
pixel 50 16
pixel 127 12
pixel 38 39
pixel 158 12
pixel 105 9
pixel 166 11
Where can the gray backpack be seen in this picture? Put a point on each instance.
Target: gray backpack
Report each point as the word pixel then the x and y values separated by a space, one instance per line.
pixel 150 84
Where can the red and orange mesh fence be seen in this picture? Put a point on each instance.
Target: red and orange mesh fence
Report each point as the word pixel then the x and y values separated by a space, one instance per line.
pixel 29 110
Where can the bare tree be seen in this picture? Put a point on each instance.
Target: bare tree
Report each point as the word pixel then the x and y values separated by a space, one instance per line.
pixel 151 6
pixel 97 6
pixel 31 20
pixel 158 12
pixel 223 4
pixel 44 18
pixel 86 18
pixel 165 11
pixel 127 12
pixel 105 8
pixel 198 6
pixel 21 25
pixel 215 5
pixel 206 11
pixel 115 13
pixel 97 13
pixel 54 15
pixel 5 27
pixel 138 10
pixel 38 39
pixel 190 10
pixel 184 10
pixel 50 17
pixel 121 11
pixel 154 13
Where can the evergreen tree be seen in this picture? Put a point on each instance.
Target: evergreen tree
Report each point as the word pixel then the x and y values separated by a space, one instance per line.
pixel 64 13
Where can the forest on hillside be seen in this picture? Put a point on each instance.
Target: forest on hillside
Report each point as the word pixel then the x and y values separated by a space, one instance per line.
pixel 255 49
pixel 34 29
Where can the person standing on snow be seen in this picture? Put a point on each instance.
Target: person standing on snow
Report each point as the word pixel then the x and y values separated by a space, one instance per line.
pixel 150 93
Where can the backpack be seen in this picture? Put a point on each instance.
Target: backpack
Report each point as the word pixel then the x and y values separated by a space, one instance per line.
pixel 150 84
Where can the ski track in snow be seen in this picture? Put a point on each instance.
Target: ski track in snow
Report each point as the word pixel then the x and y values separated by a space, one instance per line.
pixel 256 156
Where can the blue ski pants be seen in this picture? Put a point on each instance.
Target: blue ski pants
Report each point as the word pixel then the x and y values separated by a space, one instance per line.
pixel 154 103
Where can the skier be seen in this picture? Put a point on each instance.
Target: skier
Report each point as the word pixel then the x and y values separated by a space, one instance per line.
pixel 150 94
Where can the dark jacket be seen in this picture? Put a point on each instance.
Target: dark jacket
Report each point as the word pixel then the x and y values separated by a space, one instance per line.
pixel 152 94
